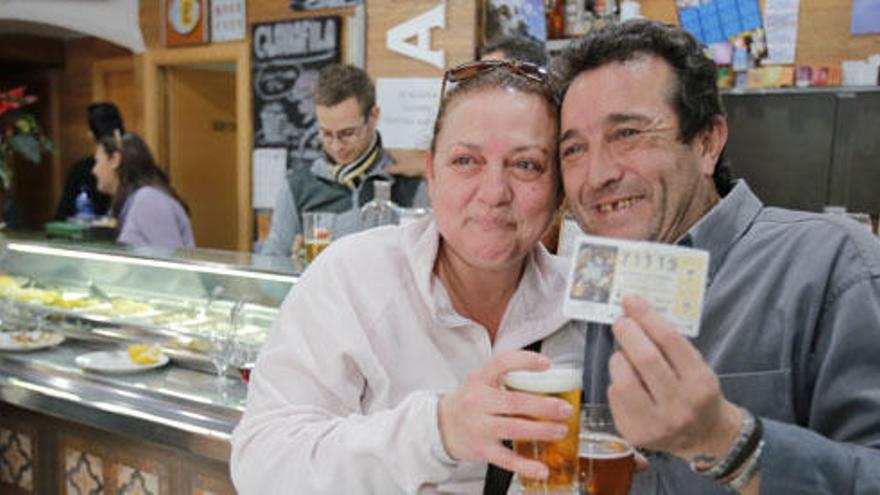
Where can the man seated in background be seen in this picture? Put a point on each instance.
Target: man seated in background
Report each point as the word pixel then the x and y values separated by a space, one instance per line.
pixel 104 119
pixel 341 181
pixel 514 48
pixel 780 392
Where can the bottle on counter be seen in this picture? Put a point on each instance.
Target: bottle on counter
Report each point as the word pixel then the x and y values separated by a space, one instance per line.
pixel 85 210
pixel 380 210
pixel 554 14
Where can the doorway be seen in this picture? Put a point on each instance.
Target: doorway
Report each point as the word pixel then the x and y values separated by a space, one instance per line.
pixel 200 150
pixel 197 119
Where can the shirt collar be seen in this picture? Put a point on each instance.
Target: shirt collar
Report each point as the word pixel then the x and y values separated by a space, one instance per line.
pixel 533 312
pixel 719 229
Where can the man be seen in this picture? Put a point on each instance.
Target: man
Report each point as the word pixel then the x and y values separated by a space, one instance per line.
pixel 104 119
pixel 780 392
pixel 514 48
pixel 341 181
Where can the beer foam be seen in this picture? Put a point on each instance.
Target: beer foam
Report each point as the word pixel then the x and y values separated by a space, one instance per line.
pixel 552 381
pixel 599 446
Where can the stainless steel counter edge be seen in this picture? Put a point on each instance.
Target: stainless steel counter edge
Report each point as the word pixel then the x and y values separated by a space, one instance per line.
pixel 154 406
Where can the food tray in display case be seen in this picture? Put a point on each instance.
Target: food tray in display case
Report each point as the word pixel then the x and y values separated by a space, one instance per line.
pixel 173 298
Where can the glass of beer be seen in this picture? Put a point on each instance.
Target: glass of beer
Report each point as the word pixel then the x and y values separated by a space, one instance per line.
pixel 606 460
pixel 560 456
pixel 317 232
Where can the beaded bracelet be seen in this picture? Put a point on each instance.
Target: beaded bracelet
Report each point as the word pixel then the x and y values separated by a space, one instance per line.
pixel 723 466
pixel 749 470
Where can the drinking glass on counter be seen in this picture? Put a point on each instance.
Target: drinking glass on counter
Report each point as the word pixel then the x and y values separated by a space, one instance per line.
pixel 317 232
pixel 606 461
pixel 223 340
pixel 560 456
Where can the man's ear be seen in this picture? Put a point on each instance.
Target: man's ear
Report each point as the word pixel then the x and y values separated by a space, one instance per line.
pixel 373 118
pixel 710 143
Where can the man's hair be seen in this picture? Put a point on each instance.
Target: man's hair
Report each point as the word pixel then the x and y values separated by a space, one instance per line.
pixel 104 120
pixel 695 97
pixel 338 82
pixel 516 48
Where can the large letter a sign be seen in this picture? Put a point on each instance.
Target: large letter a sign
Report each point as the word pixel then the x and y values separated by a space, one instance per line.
pixel 420 28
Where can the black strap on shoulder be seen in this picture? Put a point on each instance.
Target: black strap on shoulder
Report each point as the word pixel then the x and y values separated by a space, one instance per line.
pixel 498 479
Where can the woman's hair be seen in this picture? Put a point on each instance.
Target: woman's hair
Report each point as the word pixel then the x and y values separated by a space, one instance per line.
pixel 498 77
pixel 136 169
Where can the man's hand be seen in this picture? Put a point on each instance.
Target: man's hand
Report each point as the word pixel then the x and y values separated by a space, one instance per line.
pixel 297 246
pixel 663 395
pixel 480 414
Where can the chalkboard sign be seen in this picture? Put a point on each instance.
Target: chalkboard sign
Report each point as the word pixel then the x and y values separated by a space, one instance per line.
pixel 286 59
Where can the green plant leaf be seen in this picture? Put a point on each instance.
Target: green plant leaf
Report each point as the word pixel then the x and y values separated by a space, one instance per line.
pixel 27 146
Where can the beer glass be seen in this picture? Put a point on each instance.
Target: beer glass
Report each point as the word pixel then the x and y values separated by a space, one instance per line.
pixel 559 456
pixel 606 461
pixel 317 232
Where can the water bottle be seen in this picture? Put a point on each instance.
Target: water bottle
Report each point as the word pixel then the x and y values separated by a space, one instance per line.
pixel 380 210
pixel 83 204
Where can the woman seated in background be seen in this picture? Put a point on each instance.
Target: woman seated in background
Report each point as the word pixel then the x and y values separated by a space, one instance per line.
pixel 382 373
pixel 147 209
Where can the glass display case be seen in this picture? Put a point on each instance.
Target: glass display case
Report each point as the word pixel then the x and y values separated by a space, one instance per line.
pixel 176 299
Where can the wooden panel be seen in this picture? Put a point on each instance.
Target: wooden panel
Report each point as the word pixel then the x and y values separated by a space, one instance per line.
pixel 151 23
pixel 117 81
pixel 458 40
pixel 40 50
pixel 277 10
pixel 823 34
pixel 202 151
pixel 76 88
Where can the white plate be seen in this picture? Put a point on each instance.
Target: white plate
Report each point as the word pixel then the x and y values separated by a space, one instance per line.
pixel 115 362
pixel 11 341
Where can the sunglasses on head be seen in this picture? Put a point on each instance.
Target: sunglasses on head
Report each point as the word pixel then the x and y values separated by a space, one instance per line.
pixel 463 72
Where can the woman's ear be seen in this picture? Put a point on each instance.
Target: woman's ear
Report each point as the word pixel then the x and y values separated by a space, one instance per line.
pixel 115 160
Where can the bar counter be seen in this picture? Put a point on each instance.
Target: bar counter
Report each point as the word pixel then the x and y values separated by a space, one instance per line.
pixel 66 430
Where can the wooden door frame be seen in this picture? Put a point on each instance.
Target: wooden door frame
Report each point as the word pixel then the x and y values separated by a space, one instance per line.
pixel 237 52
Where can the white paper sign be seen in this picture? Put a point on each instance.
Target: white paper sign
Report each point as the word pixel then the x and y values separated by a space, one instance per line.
pixel 781 22
pixel 228 20
pixel 270 167
pixel 408 106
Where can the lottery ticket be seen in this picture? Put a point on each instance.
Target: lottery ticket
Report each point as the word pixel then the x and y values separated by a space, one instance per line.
pixel 671 278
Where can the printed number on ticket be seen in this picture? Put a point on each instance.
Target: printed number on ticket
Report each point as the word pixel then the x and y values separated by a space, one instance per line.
pixel 671 278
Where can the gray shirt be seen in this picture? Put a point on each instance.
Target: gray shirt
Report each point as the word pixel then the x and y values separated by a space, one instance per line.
pixel 287 219
pixel 791 325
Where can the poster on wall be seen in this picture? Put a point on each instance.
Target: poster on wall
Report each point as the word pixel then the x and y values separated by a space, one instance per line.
pixel 228 20
pixel 514 18
pixel 286 58
pixel 298 5
pixel 184 22
pixel 865 17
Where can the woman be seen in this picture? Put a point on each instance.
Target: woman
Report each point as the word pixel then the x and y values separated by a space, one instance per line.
pixel 147 209
pixel 382 373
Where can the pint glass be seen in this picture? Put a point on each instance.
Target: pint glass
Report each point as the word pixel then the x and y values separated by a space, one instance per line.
pixel 559 456
pixel 606 460
pixel 317 232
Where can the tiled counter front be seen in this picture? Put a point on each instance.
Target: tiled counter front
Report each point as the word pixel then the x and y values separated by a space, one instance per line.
pixel 40 454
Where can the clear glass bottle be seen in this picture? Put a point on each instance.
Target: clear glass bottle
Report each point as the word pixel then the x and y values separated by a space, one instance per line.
pixel 83 204
pixel 380 210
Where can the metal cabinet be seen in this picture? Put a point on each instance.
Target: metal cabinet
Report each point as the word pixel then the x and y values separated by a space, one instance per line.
pixel 808 148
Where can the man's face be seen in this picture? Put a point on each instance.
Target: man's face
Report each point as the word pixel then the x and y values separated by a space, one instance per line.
pixel 345 132
pixel 625 171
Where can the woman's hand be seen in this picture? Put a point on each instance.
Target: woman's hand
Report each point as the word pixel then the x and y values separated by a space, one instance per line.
pixel 480 414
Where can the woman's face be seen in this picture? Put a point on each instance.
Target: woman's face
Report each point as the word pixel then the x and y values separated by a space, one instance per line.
pixel 105 170
pixel 493 177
